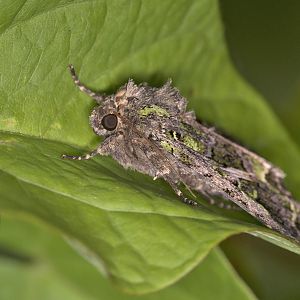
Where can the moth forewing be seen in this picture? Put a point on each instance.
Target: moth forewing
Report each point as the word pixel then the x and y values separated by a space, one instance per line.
pixel 149 130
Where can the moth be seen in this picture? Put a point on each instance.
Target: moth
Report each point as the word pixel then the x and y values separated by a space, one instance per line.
pixel 149 130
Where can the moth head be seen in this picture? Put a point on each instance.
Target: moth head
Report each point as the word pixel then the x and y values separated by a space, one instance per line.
pixel 104 118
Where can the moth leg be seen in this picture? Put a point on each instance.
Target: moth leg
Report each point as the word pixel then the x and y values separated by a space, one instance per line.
pixel 81 157
pixel 180 194
pixel 98 97
pixel 228 206
pixel 211 200
pixel 219 203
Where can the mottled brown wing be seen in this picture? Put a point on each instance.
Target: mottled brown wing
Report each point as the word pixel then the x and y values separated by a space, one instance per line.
pixel 214 166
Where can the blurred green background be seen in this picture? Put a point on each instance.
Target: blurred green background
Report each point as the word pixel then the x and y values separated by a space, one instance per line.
pixel 263 38
pixel 264 42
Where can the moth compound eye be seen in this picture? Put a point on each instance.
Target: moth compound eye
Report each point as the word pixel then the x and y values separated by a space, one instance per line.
pixel 109 122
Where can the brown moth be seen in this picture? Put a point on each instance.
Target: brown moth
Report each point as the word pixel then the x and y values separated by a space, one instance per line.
pixel 149 130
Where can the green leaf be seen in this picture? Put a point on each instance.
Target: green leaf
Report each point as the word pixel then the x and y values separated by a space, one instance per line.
pixel 37 264
pixel 131 228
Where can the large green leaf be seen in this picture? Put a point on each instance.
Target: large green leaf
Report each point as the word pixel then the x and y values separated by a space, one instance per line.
pixel 37 264
pixel 130 227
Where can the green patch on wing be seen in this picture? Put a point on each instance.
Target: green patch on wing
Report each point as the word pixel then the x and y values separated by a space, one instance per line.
pixel 193 144
pixel 153 109
pixel 168 146
pixel 259 170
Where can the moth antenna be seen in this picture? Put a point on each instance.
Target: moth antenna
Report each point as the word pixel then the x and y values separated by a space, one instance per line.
pixel 96 96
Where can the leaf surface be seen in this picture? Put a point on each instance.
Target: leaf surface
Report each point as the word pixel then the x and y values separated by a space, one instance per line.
pixel 36 264
pixel 133 229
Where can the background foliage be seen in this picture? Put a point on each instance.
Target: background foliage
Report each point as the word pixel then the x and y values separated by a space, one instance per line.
pixel 130 228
